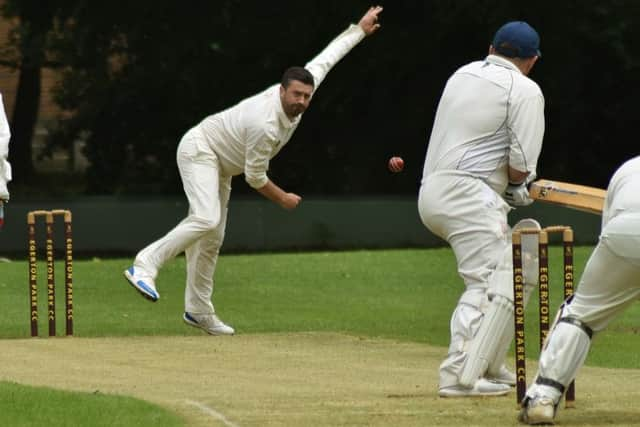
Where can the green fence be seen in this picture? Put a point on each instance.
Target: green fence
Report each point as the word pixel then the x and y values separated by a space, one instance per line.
pixel 104 225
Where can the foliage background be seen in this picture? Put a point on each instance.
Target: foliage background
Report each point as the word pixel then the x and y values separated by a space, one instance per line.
pixel 137 75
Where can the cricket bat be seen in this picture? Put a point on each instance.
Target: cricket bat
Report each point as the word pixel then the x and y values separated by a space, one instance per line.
pixel 573 196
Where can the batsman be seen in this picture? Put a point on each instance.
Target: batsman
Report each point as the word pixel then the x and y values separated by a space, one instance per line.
pixel 483 150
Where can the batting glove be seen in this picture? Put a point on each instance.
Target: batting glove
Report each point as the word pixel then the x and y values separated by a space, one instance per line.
pixel 517 195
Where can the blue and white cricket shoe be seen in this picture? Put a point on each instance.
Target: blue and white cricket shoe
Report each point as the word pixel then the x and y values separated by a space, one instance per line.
pixel 142 283
pixel 210 323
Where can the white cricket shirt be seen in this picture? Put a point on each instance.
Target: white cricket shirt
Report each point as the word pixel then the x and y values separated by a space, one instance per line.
pixel 5 136
pixel 248 135
pixel 5 132
pixel 490 117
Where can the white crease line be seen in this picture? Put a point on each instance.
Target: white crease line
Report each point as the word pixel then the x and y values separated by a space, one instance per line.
pixel 210 411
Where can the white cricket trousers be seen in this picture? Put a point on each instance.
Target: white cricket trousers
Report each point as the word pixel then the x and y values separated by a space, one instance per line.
pixel 201 233
pixel 472 218
pixel 611 279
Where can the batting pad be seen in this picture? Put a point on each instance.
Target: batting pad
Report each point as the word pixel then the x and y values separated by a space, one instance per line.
pixel 529 245
pixel 488 341
pixel 565 352
pixel 502 284
pixel 507 336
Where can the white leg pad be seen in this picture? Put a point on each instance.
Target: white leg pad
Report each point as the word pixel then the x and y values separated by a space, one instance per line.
pixel 565 352
pixel 485 343
pixel 487 350
pixel 502 287
pixel 530 260
pixel 502 283
pixel 507 337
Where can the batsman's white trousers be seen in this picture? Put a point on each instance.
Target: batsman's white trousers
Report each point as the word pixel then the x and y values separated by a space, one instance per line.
pixel 472 218
pixel 201 233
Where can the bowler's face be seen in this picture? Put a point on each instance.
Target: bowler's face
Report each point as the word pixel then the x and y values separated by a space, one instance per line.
pixel 295 98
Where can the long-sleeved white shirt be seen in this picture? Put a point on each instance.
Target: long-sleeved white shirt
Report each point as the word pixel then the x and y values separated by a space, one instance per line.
pixel 5 136
pixel 248 135
pixel 490 117
pixel 5 133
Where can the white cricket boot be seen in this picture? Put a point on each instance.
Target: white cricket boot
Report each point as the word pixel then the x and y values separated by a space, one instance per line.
pixel 210 323
pixel 482 387
pixel 503 376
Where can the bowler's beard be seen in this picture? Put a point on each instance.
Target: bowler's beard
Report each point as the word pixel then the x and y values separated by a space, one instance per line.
pixel 294 110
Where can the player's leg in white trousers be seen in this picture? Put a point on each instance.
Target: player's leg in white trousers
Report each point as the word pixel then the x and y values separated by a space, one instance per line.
pixel 486 350
pixel 199 170
pixel 609 284
pixel 501 294
pixel 472 218
pixel 202 257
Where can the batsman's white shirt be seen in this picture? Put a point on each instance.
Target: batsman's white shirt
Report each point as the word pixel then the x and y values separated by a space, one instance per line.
pixel 246 136
pixel 490 117
pixel 241 139
pixel 5 136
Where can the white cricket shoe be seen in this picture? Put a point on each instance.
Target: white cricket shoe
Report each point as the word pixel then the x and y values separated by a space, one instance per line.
pixel 482 387
pixel 210 323
pixel 538 411
pixel 503 376
pixel 142 282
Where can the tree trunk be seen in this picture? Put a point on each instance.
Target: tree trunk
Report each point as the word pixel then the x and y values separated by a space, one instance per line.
pixel 36 19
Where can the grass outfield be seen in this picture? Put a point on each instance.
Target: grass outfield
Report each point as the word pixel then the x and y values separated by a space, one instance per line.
pixel 403 295
pixel 25 406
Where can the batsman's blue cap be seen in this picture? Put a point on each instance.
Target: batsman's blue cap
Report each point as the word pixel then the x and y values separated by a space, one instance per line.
pixel 517 39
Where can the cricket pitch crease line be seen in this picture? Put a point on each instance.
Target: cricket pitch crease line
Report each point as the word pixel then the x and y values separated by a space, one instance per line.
pixel 212 412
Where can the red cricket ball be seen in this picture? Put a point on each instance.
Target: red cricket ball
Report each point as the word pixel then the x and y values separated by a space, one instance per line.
pixel 396 164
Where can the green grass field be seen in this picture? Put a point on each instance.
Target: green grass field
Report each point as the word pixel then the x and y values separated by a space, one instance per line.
pixel 23 406
pixel 403 295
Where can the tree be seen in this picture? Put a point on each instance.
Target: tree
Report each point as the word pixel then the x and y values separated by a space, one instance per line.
pixel 138 74
pixel 28 56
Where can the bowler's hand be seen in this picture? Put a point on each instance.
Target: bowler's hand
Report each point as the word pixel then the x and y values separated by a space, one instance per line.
pixel 517 195
pixel 369 21
pixel 290 201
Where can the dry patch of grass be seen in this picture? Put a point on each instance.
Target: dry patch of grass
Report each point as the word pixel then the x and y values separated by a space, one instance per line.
pixel 301 379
